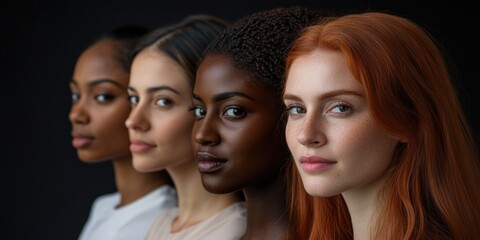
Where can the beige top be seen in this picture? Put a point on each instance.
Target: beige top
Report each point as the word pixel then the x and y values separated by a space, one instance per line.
pixel 228 224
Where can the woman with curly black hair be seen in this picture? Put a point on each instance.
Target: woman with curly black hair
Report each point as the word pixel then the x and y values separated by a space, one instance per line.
pixel 239 132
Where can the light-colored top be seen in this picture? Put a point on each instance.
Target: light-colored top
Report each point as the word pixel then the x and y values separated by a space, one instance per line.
pixel 228 224
pixel 130 222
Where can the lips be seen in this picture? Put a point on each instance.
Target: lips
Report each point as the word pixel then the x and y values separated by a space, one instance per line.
pixel 82 141
pixel 137 146
pixel 209 163
pixel 315 164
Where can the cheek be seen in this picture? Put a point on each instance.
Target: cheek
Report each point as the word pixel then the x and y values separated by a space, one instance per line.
pixel 175 128
pixel 255 147
pixel 112 139
pixel 366 145
pixel 290 134
pixel 113 121
pixel 182 130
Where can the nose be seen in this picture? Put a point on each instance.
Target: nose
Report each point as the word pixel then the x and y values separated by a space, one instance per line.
pixel 79 114
pixel 205 132
pixel 137 120
pixel 310 132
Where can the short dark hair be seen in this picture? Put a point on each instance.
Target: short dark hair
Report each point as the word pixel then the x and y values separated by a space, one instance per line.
pixel 258 43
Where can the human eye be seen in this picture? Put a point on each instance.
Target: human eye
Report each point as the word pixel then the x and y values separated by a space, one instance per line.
pixel 340 108
pixel 133 100
pixel 75 96
pixel 103 98
pixel 198 111
pixel 295 110
pixel 163 102
pixel 235 112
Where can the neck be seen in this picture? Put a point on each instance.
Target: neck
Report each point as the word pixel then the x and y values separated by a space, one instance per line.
pixel 195 204
pixel 132 184
pixel 363 204
pixel 267 215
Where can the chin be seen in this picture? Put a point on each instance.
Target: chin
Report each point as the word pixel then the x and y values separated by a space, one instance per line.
pixel 89 159
pixel 144 166
pixel 216 185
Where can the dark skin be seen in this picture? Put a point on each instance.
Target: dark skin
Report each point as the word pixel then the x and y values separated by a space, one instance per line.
pixel 237 132
pixel 99 109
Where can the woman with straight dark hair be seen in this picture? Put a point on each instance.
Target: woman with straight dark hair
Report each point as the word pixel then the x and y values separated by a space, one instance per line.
pixel 162 79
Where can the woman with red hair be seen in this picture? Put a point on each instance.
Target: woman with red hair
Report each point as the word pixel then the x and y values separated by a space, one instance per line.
pixel 378 135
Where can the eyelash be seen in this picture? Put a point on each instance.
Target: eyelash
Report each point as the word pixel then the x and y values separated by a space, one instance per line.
pixel 133 100
pixel 167 104
pixel 237 108
pixel 289 109
pixel 199 115
pixel 194 109
pixel 343 106
pixel 104 98
pixel 300 110
pixel 100 98
pixel 75 96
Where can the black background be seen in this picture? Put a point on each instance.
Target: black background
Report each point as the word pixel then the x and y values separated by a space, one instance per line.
pixel 46 191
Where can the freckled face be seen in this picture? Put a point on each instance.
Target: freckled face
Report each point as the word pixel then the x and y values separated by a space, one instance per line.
pixel 336 144
pixel 235 135
pixel 99 105
pixel 160 124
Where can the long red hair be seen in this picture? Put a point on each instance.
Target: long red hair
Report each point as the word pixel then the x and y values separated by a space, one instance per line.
pixel 433 191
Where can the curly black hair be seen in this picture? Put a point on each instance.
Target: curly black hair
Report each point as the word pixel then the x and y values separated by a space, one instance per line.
pixel 257 44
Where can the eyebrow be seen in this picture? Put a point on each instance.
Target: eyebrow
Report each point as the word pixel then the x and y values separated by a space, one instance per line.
pixel 223 96
pixel 156 89
pixel 327 95
pixel 99 81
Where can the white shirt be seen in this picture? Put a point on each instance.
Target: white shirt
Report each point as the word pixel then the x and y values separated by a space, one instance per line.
pixel 130 222
pixel 228 224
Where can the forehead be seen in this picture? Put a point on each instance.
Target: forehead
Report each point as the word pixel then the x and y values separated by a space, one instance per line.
pixel 321 70
pixel 99 62
pixel 152 67
pixel 217 66
pixel 217 73
pixel 100 55
pixel 218 81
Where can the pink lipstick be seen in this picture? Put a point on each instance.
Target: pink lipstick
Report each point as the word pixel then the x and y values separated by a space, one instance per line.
pixel 315 164
pixel 81 141
pixel 140 146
